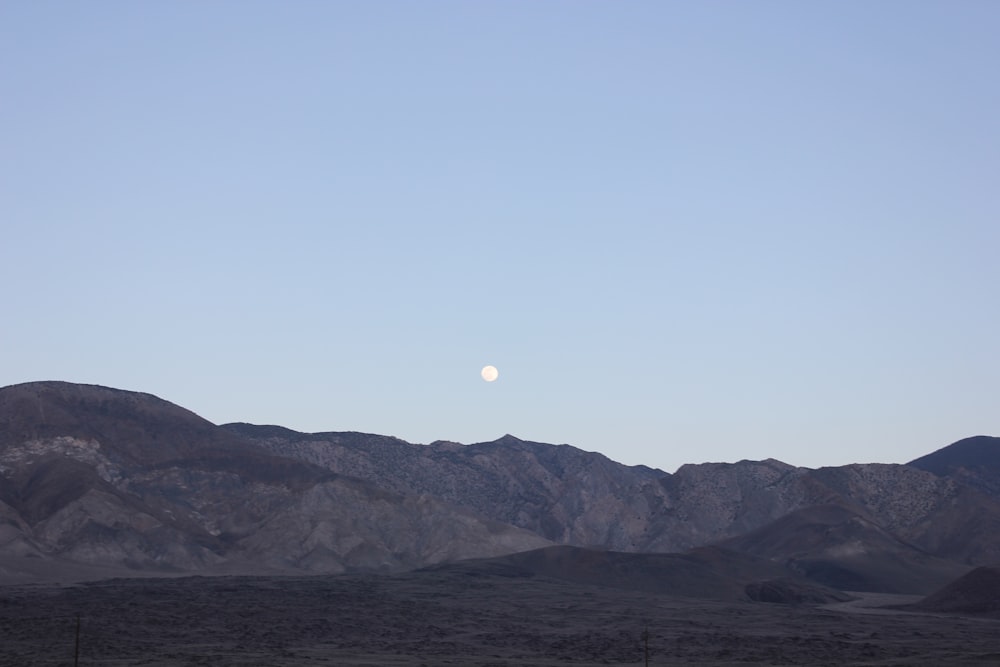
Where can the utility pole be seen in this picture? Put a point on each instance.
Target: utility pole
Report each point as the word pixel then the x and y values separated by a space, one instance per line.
pixel 76 649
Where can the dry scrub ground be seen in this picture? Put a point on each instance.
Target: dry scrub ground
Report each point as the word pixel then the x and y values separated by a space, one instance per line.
pixel 455 618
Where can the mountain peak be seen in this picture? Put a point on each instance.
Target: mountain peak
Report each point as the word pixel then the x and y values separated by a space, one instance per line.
pixel 979 451
pixel 975 461
pixel 135 424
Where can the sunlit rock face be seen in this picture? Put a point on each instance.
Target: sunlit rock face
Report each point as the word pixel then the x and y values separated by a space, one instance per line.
pixel 93 478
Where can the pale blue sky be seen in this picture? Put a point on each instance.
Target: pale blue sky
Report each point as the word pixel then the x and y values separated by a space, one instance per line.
pixel 683 231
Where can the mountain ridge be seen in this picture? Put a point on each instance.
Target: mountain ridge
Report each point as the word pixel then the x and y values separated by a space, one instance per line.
pixel 107 478
pixel 92 477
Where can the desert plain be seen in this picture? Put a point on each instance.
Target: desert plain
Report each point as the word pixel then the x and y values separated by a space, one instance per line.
pixel 456 616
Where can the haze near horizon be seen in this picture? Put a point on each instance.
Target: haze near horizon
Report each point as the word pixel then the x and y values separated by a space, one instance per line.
pixel 680 231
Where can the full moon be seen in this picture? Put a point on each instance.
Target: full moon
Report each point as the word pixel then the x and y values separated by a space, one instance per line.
pixel 489 373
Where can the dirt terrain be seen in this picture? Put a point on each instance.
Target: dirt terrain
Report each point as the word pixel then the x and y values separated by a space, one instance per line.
pixel 458 617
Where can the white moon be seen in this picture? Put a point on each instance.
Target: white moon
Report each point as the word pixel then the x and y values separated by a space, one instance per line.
pixel 489 373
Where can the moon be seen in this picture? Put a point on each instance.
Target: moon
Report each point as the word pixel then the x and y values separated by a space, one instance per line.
pixel 489 373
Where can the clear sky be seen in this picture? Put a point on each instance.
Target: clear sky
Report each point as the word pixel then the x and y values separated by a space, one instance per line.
pixel 682 231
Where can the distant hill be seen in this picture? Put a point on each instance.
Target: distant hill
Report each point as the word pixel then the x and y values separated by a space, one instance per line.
pixel 977 593
pixel 708 573
pixel 838 547
pixel 96 480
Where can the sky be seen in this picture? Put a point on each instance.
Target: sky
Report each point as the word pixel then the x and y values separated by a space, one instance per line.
pixel 681 231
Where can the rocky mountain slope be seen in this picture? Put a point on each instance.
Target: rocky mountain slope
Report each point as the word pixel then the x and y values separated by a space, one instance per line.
pixel 92 477
pixel 112 479
pixel 580 498
pixel 562 493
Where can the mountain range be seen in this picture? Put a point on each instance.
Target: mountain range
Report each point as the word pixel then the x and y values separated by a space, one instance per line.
pixel 98 482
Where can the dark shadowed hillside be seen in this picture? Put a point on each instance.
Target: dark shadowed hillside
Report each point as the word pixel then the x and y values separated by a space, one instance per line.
pixel 707 572
pixel 835 546
pixel 977 592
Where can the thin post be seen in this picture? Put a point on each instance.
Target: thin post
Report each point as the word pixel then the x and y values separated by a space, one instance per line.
pixel 645 640
pixel 76 649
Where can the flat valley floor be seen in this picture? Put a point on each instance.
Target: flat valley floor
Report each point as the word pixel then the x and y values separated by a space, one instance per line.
pixel 451 617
